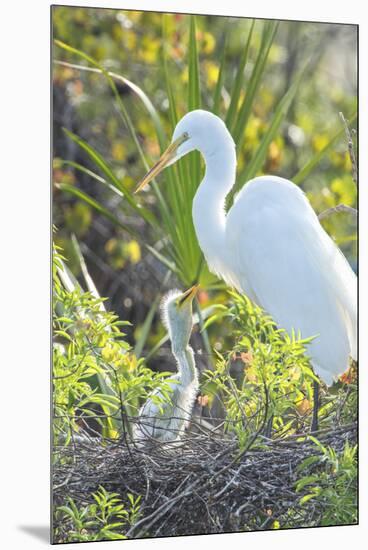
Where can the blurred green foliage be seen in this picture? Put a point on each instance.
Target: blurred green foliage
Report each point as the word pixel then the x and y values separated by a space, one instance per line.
pixel 132 44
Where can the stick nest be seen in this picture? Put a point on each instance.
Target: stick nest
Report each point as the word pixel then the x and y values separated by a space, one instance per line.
pixel 205 485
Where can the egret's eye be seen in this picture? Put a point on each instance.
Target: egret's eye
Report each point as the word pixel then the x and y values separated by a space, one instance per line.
pixel 186 135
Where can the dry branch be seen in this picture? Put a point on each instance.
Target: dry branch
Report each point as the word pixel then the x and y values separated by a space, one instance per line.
pixel 337 209
pixel 203 486
pixel 354 170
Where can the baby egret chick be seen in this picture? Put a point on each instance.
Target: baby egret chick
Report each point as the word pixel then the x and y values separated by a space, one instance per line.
pixel 166 422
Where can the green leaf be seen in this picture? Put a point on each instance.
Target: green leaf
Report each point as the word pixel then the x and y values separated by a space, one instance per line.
pixel 106 170
pixel 172 104
pixel 251 169
pixel 152 111
pixel 163 259
pixel 85 170
pixel 145 330
pixel 220 79
pixel 308 480
pixel 258 159
pixel 308 462
pixel 194 93
pixel 235 93
pixel 305 499
pixel 95 204
pixel 130 127
pixel 268 35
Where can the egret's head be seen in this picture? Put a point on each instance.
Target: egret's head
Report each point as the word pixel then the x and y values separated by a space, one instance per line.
pixel 176 309
pixel 199 130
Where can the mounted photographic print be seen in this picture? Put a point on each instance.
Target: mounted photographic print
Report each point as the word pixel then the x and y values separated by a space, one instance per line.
pixel 205 366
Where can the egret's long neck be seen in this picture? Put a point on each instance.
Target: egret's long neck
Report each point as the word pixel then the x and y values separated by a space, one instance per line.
pixel 209 202
pixel 186 365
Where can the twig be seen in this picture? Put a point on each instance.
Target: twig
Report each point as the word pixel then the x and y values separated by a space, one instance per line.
pixel 349 138
pixel 337 209
pixel 205 486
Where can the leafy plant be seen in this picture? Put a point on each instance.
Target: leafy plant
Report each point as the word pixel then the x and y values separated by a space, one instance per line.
pixel 330 480
pixel 265 377
pixel 95 374
pixel 105 519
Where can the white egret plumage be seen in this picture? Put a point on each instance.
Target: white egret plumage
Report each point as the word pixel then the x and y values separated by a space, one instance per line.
pixel 166 421
pixel 270 246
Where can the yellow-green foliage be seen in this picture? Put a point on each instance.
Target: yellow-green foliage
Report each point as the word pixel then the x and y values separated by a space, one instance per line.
pixel 107 518
pixel 95 374
pixel 338 499
pixel 274 377
pixel 268 80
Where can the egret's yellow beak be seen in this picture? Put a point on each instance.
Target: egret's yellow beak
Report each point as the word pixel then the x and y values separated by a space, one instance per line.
pixel 163 161
pixel 188 295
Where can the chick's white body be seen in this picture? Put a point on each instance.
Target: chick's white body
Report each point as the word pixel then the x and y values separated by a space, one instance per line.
pixel 166 421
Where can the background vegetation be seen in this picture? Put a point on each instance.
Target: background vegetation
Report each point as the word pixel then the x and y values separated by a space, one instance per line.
pixel 121 81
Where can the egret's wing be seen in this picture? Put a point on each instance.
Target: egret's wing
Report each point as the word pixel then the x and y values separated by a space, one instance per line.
pixel 295 271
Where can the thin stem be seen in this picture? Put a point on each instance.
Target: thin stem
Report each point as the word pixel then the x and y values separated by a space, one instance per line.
pixel 315 406
pixel 204 333
pixel 336 210
pixel 351 149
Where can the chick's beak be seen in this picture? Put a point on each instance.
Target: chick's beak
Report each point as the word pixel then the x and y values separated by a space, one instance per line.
pixel 189 295
pixel 163 161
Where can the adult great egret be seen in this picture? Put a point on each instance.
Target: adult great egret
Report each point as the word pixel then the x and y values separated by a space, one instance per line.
pixel 166 422
pixel 270 246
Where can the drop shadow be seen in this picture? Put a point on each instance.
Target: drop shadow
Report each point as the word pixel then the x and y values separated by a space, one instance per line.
pixel 40 532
